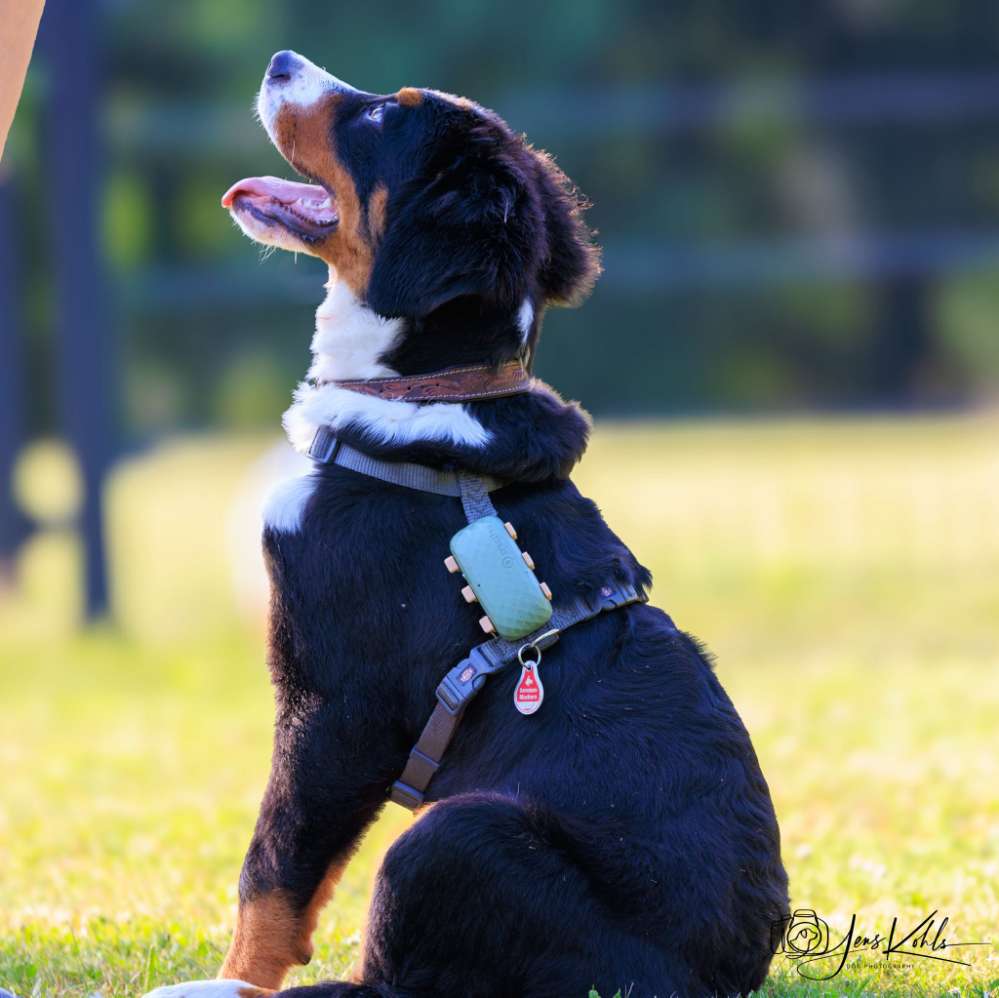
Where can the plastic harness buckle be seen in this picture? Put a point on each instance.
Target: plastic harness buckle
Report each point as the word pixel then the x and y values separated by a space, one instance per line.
pixel 325 445
pixel 465 680
pixel 405 796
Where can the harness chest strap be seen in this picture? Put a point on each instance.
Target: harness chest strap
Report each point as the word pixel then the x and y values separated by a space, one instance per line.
pixel 466 679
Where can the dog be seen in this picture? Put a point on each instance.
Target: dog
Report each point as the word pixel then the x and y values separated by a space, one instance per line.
pixel 623 838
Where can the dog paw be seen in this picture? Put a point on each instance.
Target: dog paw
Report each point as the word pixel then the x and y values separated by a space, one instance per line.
pixel 210 989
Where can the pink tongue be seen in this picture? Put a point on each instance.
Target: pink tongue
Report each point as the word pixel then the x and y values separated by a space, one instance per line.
pixel 310 197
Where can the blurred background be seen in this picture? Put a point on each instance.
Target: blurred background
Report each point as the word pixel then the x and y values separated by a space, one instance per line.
pixel 792 356
pixel 799 205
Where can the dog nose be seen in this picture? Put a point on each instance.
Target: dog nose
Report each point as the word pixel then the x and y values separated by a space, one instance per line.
pixel 283 66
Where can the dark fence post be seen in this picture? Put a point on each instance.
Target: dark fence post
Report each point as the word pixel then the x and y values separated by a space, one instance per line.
pixel 13 524
pixel 84 340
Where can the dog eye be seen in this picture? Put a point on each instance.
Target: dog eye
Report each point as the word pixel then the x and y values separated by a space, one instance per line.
pixel 376 112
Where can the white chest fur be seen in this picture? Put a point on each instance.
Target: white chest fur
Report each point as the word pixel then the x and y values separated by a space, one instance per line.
pixel 349 343
pixel 350 339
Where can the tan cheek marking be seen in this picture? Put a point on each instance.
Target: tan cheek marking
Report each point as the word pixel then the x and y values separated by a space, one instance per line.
pixel 254 992
pixel 409 96
pixel 377 206
pixel 305 139
pixel 284 132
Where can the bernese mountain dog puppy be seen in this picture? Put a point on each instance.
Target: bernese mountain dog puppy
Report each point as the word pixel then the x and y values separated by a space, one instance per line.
pixel 622 838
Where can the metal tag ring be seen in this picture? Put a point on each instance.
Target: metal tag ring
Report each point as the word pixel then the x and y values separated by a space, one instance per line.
pixel 529 647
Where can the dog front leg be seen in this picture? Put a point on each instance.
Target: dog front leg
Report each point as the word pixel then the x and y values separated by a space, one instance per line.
pixel 320 797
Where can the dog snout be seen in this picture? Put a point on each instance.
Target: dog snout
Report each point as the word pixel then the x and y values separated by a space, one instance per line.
pixel 292 83
pixel 283 66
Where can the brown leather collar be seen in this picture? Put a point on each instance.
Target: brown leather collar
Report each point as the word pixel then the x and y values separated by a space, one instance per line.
pixel 453 384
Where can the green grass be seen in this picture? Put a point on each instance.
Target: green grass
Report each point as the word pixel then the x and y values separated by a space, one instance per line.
pixel 846 573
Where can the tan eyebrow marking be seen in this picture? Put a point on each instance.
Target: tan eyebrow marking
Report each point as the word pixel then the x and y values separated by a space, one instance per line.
pixel 409 96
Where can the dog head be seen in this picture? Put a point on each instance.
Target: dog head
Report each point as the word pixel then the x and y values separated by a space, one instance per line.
pixel 415 199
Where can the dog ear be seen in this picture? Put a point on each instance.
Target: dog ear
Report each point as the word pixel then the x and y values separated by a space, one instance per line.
pixel 572 263
pixel 473 230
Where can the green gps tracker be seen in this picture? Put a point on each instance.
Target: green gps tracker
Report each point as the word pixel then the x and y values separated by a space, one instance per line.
pixel 500 577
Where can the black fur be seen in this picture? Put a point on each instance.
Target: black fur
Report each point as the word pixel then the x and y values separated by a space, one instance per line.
pixel 479 213
pixel 478 222
pixel 623 837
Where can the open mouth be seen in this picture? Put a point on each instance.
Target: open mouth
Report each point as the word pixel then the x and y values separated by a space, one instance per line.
pixel 307 210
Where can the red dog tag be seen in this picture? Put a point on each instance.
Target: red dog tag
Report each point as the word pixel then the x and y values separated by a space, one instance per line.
pixel 529 692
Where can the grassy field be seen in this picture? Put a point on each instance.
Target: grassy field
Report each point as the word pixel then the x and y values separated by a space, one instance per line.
pixel 846 574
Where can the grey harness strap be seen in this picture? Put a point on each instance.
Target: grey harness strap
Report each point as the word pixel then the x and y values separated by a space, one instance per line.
pixel 466 679
pixel 475 499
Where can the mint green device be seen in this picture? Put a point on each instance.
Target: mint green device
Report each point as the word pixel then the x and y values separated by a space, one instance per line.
pixel 500 577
